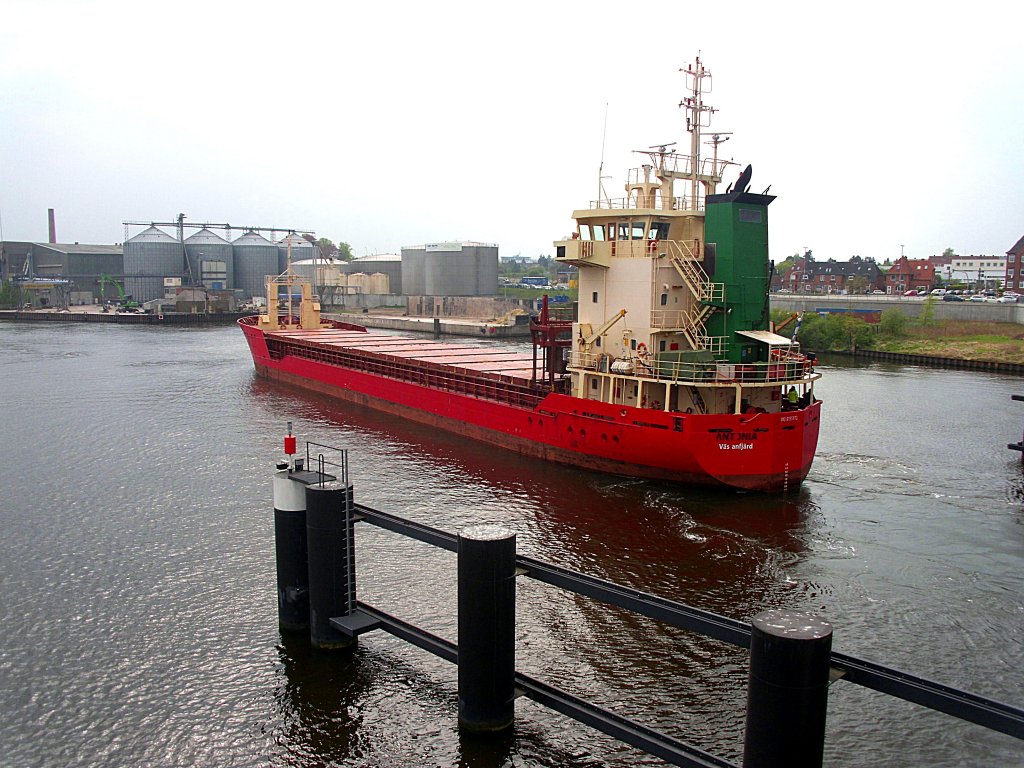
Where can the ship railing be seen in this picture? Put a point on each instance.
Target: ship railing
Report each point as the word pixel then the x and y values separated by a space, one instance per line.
pixel 784 369
pixel 690 324
pixel 676 203
pixel 477 384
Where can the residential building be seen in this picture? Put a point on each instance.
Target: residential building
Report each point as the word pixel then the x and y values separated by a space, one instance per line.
pixel 1014 267
pixel 854 276
pixel 909 274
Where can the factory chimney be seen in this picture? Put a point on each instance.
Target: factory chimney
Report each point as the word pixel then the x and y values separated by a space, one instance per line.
pixel 53 227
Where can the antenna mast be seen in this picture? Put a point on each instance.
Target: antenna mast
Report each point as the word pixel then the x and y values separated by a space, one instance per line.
pixel 600 168
pixel 698 115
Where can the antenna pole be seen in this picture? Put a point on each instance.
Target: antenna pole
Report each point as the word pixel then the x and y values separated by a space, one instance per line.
pixel 694 104
pixel 600 168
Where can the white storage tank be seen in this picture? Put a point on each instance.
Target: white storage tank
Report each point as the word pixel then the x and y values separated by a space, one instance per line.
pixel 360 282
pixel 378 284
pixel 322 271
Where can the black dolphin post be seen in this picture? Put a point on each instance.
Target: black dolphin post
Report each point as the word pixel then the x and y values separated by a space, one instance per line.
pixel 487 627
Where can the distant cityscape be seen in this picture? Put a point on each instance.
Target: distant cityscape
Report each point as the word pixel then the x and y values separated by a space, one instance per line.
pixel 805 274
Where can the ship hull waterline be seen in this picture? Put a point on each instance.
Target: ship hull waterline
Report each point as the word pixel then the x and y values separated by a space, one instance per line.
pixel 760 452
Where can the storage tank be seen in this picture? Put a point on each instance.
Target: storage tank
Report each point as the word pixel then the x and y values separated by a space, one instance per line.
pixel 321 271
pixel 378 284
pixel 255 257
pixel 149 257
pixel 451 269
pixel 302 250
pixel 209 259
pixel 359 282
pixel 389 264
pixel 413 269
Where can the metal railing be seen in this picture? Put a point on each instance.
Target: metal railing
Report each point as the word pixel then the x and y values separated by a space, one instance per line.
pixel 679 203
pixel 330 463
pixel 964 705
pixel 787 369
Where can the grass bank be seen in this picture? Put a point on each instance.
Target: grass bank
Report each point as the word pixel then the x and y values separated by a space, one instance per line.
pixel 961 340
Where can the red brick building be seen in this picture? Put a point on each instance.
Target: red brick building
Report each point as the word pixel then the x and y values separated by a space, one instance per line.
pixel 1014 266
pixel 910 274
pixel 854 276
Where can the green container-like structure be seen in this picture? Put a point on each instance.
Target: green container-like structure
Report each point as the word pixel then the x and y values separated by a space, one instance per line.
pixel 736 231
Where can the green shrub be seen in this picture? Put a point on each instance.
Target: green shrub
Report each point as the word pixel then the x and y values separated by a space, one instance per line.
pixel 838 332
pixel 893 323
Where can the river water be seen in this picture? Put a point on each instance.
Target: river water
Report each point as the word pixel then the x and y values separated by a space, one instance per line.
pixel 139 605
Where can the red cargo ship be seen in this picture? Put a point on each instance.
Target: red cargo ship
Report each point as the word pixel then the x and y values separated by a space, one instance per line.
pixel 672 370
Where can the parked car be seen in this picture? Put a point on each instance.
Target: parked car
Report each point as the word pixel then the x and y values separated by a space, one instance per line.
pixel 912 293
pixel 1007 299
pixel 938 291
pixel 878 293
pixel 979 297
pixel 952 297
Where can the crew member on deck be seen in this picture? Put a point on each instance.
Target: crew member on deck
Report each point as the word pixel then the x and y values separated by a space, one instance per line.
pixel 792 398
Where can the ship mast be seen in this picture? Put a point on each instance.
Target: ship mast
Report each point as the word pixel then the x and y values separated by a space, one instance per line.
pixel 698 115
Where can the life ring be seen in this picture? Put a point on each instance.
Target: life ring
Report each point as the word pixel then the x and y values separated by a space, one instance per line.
pixel 641 351
pixel 159 317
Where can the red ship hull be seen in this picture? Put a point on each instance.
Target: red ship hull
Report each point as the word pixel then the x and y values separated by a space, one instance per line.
pixel 768 452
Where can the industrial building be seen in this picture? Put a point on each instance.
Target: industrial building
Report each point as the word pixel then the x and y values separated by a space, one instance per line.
pixel 158 262
pixel 83 266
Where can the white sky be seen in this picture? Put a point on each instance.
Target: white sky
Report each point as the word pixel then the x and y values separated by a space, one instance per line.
pixel 878 125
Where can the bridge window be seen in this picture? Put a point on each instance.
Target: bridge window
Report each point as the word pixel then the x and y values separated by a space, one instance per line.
pixel 599 231
pixel 585 232
pixel 659 231
pixel 623 231
pixel 638 230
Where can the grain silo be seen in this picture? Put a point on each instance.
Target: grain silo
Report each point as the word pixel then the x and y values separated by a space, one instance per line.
pixel 255 257
pixel 450 269
pixel 209 260
pixel 301 249
pixel 149 257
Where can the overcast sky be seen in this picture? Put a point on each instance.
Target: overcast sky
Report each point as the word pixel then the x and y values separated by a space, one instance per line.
pixel 385 124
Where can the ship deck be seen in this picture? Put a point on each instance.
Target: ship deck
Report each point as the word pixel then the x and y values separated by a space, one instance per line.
pixel 470 358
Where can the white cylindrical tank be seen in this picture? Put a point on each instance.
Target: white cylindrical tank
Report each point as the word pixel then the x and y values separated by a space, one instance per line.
pixel 360 281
